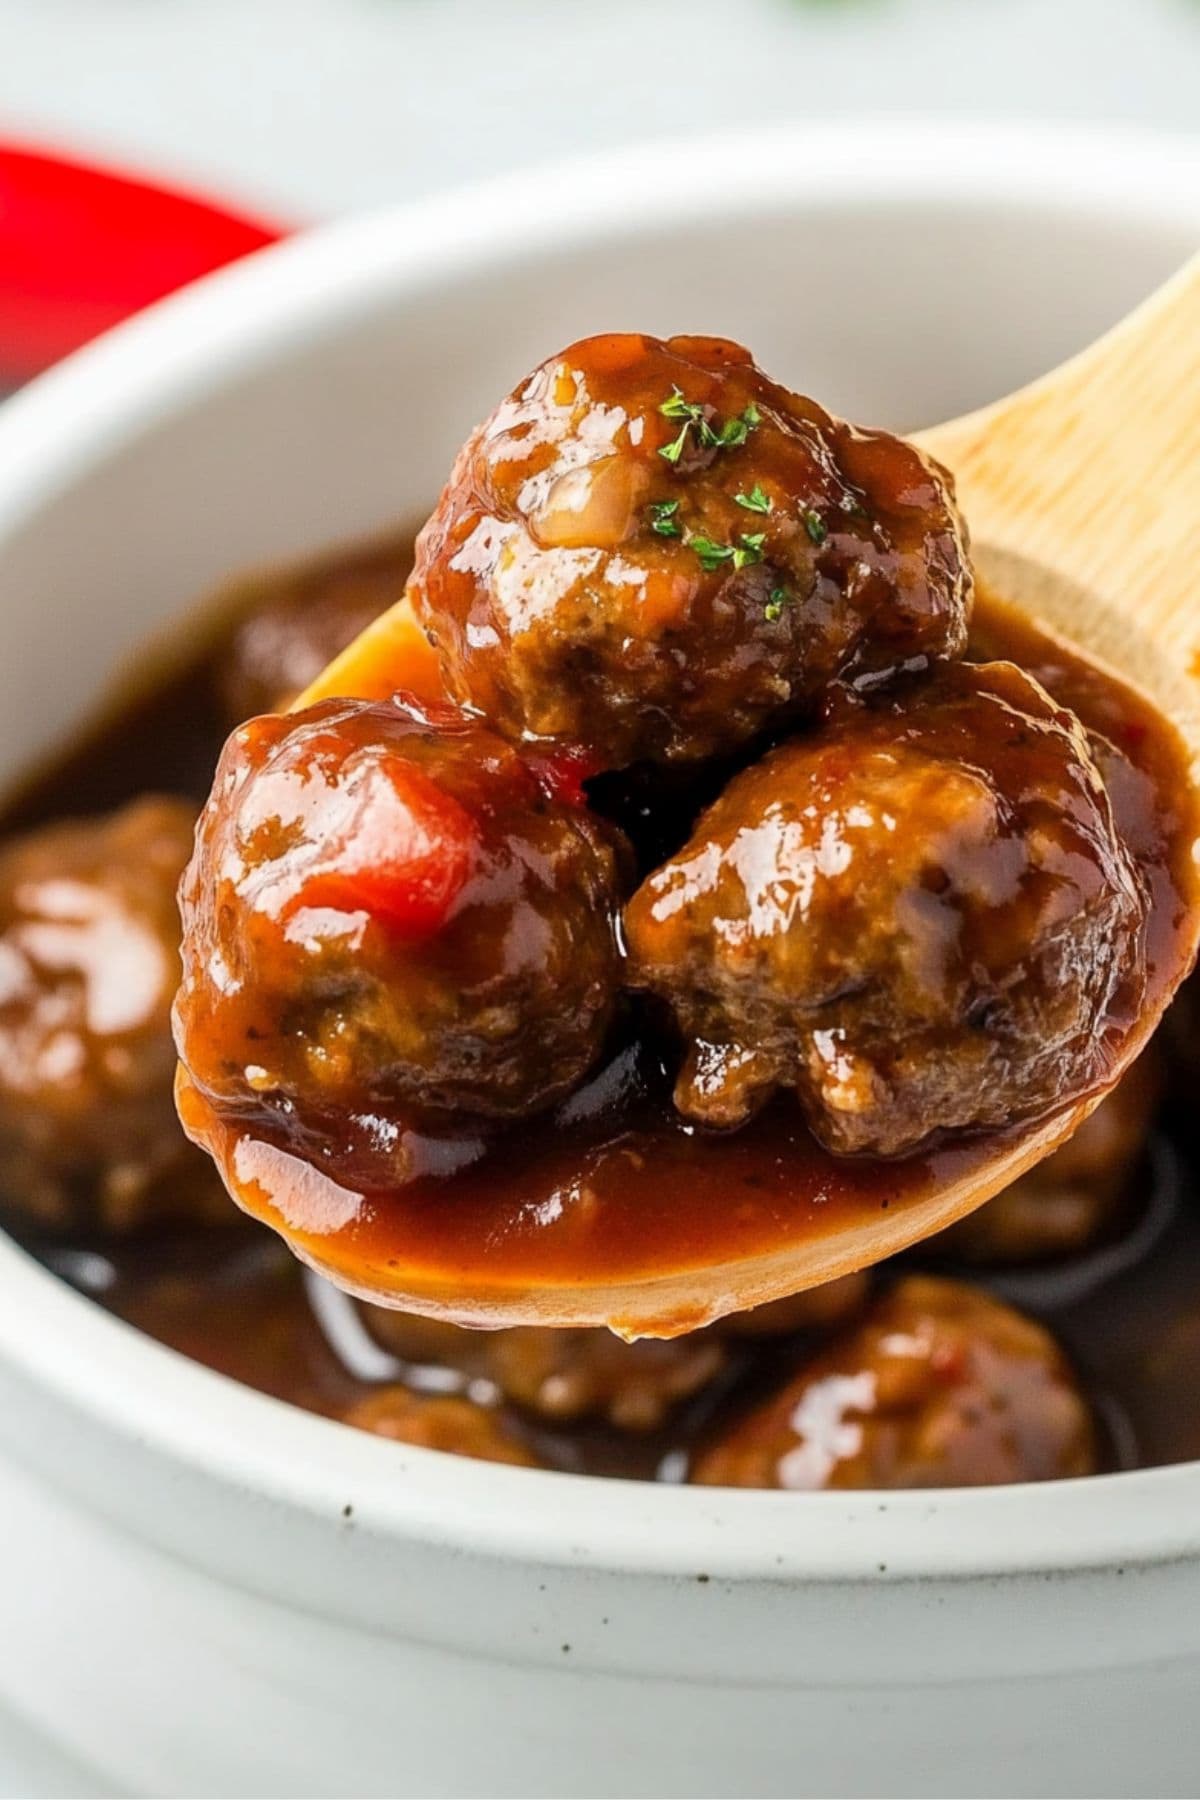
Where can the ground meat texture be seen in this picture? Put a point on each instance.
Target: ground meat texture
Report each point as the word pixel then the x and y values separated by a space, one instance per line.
pixel 917 916
pixel 89 961
pixel 296 623
pixel 654 550
pixel 440 1422
pixel 562 1376
pixel 941 1386
pixel 1076 1198
pixel 388 921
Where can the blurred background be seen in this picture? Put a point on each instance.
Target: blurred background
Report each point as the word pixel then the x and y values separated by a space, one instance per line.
pixel 288 111
pixel 309 107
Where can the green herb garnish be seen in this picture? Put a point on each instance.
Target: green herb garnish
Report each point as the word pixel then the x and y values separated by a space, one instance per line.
pixel 750 549
pixel 755 501
pixel 674 450
pixel 780 597
pixel 814 524
pixel 726 437
pixel 679 407
pixel 736 431
pixel 711 554
pixel 663 520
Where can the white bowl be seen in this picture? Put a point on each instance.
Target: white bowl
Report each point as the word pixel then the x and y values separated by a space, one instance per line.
pixel 206 1591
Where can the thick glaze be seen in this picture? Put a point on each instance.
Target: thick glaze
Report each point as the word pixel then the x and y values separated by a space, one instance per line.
pixel 653 549
pixel 391 923
pixel 1124 1309
pixel 615 1186
pixel 918 912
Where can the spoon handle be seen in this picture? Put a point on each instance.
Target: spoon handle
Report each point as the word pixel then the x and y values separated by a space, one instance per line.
pixel 1083 491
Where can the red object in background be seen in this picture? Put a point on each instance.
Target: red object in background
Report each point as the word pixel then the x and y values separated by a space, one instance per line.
pixel 83 247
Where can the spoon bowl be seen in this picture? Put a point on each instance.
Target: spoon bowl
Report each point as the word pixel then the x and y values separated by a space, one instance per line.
pixel 1081 491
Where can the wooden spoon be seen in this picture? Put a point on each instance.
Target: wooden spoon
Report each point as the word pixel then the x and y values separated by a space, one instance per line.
pixel 1083 496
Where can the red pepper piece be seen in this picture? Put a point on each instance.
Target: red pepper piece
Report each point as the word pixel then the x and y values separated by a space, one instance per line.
pixel 403 854
pixel 561 773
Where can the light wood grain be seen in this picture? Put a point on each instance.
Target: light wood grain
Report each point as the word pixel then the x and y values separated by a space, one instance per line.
pixel 392 653
pixel 1083 496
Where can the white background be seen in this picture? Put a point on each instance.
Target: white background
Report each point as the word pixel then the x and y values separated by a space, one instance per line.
pixel 314 106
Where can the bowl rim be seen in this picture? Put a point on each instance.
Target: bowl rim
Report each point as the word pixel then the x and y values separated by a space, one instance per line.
pixel 72 418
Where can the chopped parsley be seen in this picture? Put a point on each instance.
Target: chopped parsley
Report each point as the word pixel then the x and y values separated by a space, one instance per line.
pixel 734 431
pixel 731 434
pixel 674 450
pixel 663 520
pixel 814 524
pixel 755 501
pixel 711 554
pixel 692 413
pixel 678 407
pixel 748 549
pixel 780 597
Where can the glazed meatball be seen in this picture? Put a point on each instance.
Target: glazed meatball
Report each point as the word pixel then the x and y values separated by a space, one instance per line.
pixel 89 961
pixel 653 550
pixel 431 1343
pixel 440 1422
pixel 941 1386
pixel 295 624
pixel 569 1375
pixel 1075 1198
pixel 562 1376
pixel 918 917
pixel 388 921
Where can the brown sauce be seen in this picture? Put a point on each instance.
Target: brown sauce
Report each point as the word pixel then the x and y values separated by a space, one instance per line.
pixel 1126 1314
pixel 616 1187
pixel 618 1172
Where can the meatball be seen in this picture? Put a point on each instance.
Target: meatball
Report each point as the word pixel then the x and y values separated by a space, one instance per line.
pixel 941 1386
pixel 389 923
pixel 440 1422
pixel 431 1343
pixel 569 1375
pixel 1078 1196
pixel 298 622
pixel 917 917
pixel 563 1376
pixel 653 550
pixel 89 961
